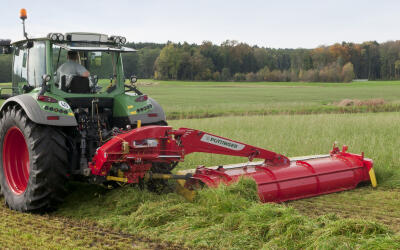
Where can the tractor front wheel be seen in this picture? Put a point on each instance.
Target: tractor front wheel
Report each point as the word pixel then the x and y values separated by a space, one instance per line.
pixel 33 163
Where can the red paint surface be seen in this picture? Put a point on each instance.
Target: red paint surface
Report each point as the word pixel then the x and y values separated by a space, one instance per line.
pixel 16 160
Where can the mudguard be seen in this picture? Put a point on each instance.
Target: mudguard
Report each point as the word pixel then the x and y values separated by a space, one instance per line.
pixel 157 116
pixel 36 114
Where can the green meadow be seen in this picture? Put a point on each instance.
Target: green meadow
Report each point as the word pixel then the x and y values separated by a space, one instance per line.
pixel 294 119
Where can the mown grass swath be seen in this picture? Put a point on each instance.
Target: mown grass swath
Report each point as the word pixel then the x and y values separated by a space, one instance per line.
pixel 227 217
pixel 232 217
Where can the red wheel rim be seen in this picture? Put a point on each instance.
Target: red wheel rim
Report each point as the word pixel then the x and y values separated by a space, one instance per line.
pixel 16 160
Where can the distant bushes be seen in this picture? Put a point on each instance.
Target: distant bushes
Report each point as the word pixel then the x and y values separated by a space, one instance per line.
pixel 356 102
pixel 331 73
pixel 234 61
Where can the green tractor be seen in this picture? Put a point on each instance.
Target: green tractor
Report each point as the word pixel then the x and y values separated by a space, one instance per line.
pixel 52 124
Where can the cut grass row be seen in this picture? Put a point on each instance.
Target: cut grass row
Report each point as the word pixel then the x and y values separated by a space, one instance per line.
pixel 28 231
pixel 224 218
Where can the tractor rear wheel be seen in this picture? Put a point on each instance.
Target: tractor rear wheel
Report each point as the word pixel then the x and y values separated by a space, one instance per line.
pixel 33 163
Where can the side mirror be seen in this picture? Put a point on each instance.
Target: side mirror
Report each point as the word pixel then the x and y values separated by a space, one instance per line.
pixel 45 79
pixel 95 79
pixel 5 46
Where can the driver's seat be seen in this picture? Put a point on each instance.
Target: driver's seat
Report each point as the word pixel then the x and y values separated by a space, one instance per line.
pixel 78 85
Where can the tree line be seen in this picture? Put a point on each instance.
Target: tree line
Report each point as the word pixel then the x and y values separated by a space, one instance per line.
pixel 235 61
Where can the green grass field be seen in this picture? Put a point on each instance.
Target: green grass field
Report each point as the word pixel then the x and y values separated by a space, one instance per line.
pixel 232 217
pixel 207 99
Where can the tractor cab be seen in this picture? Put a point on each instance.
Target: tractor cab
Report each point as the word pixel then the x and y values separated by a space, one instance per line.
pixel 36 72
pixel 99 54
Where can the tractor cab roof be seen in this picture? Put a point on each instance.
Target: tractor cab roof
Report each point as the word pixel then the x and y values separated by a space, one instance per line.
pixel 90 47
pixel 83 41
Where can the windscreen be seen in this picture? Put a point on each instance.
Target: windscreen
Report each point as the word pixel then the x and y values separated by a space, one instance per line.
pixel 98 63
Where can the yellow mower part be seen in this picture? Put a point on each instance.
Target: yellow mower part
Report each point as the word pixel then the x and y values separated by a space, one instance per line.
pixel 179 187
pixel 187 193
pixel 372 176
pixel 114 178
pixel 158 176
pixel 125 147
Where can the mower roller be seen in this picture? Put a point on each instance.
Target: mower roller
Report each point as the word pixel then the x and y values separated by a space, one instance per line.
pixel 57 126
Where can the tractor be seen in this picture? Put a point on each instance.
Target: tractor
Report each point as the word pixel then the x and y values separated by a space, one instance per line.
pixel 50 127
pixel 55 128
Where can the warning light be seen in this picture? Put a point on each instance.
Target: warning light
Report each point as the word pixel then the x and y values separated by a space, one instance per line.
pixel 22 14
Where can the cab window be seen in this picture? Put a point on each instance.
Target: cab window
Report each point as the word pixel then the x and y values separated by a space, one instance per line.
pixel 36 63
pixel 20 73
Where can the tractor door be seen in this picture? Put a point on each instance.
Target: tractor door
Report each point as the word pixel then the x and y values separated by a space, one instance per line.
pixel 29 66
pixel 20 72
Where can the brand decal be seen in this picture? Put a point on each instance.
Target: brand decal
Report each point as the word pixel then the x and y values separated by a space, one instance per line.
pixel 64 105
pixel 222 142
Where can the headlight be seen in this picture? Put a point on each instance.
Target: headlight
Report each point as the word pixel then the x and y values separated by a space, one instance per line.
pixel 53 37
pixel 60 37
pixel 117 39
pixel 133 79
pixel 123 40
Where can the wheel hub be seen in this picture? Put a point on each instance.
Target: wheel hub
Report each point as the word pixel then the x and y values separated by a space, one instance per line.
pixel 16 160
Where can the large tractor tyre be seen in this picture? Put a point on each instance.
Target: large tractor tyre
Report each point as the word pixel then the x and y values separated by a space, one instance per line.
pixel 33 163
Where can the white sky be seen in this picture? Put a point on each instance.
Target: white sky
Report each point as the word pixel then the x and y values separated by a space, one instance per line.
pixel 276 24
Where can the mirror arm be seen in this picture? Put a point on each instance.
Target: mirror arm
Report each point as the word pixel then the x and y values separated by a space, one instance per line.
pixel 43 89
pixel 45 79
pixel 134 89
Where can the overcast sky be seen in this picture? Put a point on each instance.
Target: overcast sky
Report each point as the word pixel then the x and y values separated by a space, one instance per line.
pixel 276 24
